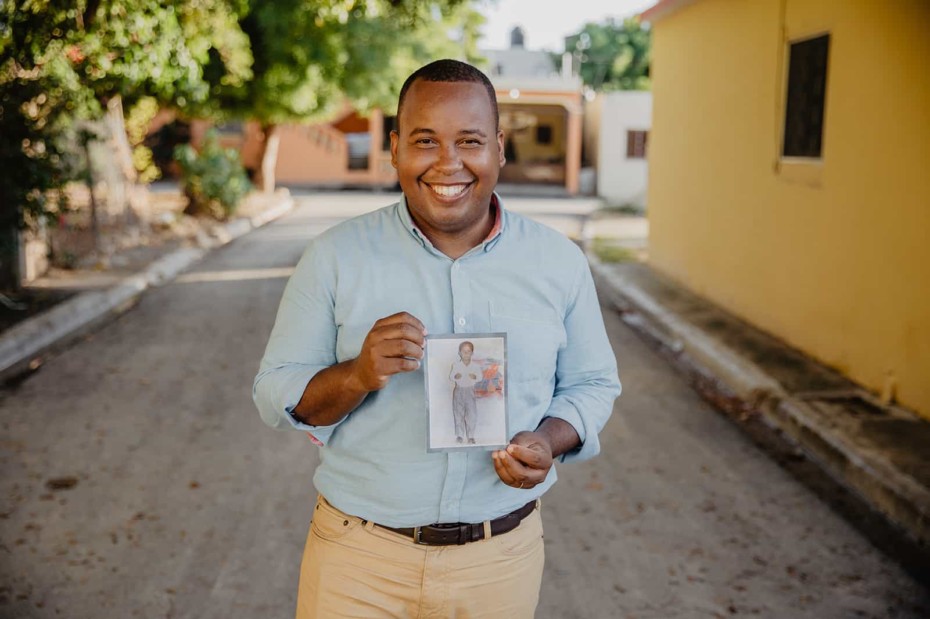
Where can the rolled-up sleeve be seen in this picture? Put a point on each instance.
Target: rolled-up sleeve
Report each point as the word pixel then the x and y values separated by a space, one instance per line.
pixel 302 342
pixel 586 374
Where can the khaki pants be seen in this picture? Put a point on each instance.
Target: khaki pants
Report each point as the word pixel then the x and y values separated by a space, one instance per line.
pixel 355 569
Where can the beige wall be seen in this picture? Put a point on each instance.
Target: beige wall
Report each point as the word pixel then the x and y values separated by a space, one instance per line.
pixel 530 151
pixel 317 154
pixel 832 256
pixel 571 102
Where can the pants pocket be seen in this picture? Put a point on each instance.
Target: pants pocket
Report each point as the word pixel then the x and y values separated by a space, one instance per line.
pixel 331 524
pixel 524 538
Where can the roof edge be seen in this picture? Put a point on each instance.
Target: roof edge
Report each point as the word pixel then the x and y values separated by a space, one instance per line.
pixel 662 9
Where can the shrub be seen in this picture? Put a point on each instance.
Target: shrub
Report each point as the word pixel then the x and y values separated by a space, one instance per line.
pixel 610 252
pixel 213 179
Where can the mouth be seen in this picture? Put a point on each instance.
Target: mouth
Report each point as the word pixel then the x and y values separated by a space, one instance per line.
pixel 450 191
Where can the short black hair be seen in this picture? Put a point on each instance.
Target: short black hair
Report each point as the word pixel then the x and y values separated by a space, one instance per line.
pixel 448 70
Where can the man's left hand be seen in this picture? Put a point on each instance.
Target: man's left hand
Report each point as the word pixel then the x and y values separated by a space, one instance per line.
pixel 526 461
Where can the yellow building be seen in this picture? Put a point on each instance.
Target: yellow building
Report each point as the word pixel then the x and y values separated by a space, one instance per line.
pixel 790 174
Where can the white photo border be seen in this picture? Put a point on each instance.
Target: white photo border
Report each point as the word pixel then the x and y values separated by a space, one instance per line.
pixel 426 384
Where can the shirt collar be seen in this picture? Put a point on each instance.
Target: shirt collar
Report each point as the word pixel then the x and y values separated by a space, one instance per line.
pixel 487 244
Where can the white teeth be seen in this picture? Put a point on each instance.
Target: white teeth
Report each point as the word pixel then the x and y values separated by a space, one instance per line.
pixel 448 190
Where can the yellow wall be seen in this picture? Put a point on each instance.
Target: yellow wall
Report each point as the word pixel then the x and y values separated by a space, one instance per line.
pixel 530 151
pixel 833 257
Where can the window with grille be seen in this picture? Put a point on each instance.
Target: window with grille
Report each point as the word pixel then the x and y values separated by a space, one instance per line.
pixel 636 144
pixel 807 90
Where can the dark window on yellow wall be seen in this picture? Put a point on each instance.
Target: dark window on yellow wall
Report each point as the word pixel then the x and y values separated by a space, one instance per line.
pixel 544 134
pixel 807 90
pixel 636 144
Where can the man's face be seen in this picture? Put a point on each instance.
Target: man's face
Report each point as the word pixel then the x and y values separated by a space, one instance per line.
pixel 448 155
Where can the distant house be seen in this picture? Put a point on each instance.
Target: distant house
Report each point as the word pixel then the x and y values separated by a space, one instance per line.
pixel 541 115
pixel 616 135
pixel 790 174
pixel 351 150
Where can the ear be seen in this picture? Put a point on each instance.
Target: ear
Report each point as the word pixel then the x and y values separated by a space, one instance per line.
pixel 394 140
pixel 500 147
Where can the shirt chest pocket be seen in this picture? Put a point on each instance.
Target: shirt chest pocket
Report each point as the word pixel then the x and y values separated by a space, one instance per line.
pixel 533 343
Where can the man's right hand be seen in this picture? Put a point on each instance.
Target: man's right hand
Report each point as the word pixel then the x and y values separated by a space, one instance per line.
pixel 394 345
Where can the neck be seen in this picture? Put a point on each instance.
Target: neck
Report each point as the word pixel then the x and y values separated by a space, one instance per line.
pixel 457 244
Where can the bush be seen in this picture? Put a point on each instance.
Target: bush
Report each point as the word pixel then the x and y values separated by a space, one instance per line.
pixel 608 251
pixel 213 180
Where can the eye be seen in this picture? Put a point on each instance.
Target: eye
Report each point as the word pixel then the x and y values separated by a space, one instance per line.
pixel 472 142
pixel 424 142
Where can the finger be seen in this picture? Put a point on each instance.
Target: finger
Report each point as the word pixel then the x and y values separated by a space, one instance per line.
pixel 399 331
pixel 388 366
pixel 402 318
pixel 397 348
pixel 516 469
pixel 528 456
pixel 502 471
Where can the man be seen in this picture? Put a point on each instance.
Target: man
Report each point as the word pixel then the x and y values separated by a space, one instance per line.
pixel 398 531
pixel 464 374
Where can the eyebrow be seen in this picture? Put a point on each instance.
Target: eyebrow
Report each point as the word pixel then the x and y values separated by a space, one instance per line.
pixel 425 131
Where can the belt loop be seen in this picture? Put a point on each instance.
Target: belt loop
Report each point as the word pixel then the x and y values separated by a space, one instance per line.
pixel 487 529
pixel 369 525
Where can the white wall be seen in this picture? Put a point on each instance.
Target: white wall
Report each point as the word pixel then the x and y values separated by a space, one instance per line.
pixel 621 180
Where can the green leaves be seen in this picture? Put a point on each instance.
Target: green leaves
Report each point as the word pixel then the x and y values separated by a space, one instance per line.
pixel 614 55
pixel 312 56
pixel 213 179
pixel 281 61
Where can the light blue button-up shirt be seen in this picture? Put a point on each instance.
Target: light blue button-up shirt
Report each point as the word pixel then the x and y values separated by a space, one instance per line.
pixel 526 280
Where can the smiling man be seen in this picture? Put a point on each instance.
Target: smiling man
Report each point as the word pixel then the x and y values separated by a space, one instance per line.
pixel 398 531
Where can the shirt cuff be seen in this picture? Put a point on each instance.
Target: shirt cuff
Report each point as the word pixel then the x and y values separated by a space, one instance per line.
pixel 563 410
pixel 319 435
pixel 277 393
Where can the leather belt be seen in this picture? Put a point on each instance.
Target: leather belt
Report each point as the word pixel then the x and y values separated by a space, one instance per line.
pixel 462 532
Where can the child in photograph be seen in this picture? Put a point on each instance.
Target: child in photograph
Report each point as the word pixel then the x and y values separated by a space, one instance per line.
pixel 465 374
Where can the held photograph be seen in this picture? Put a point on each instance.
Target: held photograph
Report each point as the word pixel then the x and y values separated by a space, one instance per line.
pixel 466 391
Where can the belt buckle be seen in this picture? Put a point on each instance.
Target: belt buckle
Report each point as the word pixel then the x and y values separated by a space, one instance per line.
pixel 418 536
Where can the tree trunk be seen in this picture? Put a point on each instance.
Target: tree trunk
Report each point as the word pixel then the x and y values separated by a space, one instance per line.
pixel 10 276
pixel 269 157
pixel 94 218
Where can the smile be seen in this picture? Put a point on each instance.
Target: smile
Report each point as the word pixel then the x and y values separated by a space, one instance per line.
pixel 448 191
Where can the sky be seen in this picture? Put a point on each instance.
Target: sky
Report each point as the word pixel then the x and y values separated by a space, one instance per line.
pixel 547 22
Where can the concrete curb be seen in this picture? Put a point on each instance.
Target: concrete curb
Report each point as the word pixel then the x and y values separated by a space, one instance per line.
pixel 890 491
pixel 22 345
pixel 746 380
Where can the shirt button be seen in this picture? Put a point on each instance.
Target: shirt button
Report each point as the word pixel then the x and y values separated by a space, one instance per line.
pixel 461 322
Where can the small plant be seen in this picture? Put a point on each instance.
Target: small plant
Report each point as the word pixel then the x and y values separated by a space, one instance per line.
pixel 626 208
pixel 609 252
pixel 213 179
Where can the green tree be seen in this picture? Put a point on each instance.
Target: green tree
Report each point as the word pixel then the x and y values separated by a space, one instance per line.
pixel 613 55
pixel 311 57
pixel 289 60
pixel 63 62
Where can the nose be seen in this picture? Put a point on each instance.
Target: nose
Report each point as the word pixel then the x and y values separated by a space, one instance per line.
pixel 449 161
